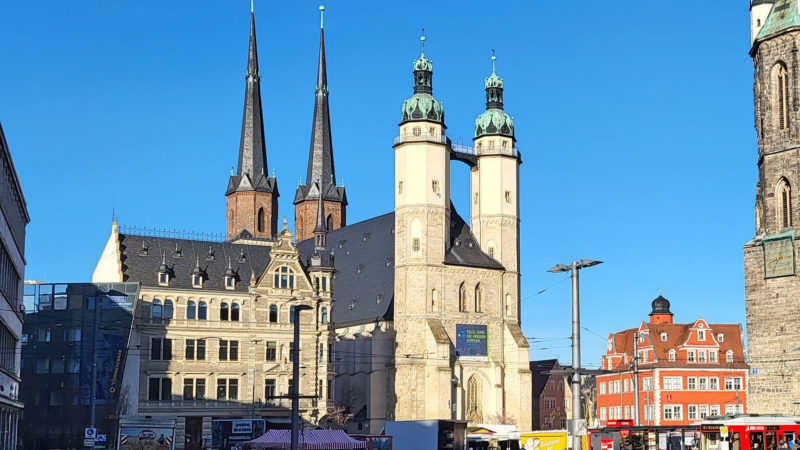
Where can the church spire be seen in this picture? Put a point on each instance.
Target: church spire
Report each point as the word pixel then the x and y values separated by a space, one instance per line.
pixel 252 150
pixel 320 153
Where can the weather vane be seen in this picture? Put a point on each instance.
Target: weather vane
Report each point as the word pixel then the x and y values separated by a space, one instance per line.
pixel 321 15
pixel 422 39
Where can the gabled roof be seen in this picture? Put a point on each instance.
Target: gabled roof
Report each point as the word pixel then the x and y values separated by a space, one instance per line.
pixel 363 284
pixel 539 378
pixel 464 248
pixel 141 256
pixel 677 334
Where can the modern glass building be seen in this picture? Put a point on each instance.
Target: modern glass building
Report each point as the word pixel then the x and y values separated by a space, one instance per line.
pixel 69 328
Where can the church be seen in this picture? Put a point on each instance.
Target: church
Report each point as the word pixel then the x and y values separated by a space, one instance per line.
pixel 415 313
pixel 772 285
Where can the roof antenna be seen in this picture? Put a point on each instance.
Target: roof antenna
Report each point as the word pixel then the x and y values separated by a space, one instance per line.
pixel 321 14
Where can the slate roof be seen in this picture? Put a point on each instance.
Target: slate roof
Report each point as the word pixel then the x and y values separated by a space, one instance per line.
pixel 363 256
pixel 677 334
pixel 363 285
pixel 309 192
pixel 140 264
pixel 539 379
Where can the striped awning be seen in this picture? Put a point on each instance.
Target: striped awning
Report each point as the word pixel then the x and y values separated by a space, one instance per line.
pixel 309 440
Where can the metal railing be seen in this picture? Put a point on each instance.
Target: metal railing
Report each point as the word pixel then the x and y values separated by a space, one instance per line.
pixel 422 137
pixel 188 235
pixel 458 148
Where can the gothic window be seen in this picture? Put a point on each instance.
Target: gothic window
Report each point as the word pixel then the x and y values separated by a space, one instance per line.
pixel 324 318
pixel 191 310
pixel 478 298
pixel 202 308
pixel 273 314
pixel 784 203
pixel 474 399
pixel 261 220
pixel 781 82
pixel 235 312
pixel 462 298
pixel 223 311
pixel 329 222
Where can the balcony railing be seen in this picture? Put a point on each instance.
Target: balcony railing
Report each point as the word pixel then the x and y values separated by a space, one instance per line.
pixel 467 150
pixel 276 403
pixel 437 138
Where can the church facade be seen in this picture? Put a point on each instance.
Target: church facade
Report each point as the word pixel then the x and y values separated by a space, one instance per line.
pixel 772 285
pixel 415 313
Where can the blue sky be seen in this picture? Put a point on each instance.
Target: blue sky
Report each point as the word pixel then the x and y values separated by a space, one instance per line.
pixel 634 120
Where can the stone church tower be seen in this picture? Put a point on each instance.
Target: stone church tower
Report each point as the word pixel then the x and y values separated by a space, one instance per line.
pixel 252 194
pixel 459 351
pixel 321 175
pixel 772 285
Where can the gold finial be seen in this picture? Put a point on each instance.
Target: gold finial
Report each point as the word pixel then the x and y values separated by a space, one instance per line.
pixel 285 222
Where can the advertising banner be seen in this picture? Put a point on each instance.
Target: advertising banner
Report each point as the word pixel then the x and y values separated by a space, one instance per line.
pixel 472 341
pixel 227 432
pixel 140 438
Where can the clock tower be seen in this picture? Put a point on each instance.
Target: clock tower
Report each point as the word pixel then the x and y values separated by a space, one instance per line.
pixel 772 285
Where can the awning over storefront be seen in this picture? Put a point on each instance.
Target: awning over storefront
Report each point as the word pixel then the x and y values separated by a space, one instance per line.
pixel 309 440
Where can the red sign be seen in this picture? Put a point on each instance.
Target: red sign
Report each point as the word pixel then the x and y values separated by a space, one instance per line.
pixel 606 444
pixel 620 423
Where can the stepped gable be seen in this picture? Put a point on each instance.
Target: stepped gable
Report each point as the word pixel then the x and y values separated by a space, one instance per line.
pixel 141 256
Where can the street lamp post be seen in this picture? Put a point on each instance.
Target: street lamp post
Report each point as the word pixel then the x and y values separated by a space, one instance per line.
pixel 573 268
pixel 295 394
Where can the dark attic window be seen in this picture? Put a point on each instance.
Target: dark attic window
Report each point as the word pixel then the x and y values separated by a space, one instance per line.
pixel 359 269
pixel 230 282
pixel 365 237
pixel 163 278
pixel 341 243
pixel 379 298
pixel 242 256
pixel 177 252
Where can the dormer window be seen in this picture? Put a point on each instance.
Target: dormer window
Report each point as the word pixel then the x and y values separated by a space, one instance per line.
pixel 729 356
pixel 663 337
pixel 720 338
pixel 197 281
pixel 701 335
pixel 163 279
pixel 230 282
pixel 672 355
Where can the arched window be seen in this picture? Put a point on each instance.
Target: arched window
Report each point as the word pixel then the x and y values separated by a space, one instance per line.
pixel 324 318
pixel 261 220
pixel 235 312
pixel 273 314
pixel 329 222
pixel 291 314
pixel 434 300
pixel 784 203
pixel 729 356
pixel 284 278
pixel 672 356
pixel 191 310
pixel 478 298
pixel 201 311
pixel 462 298
pixel 155 309
pixel 168 309
pixel 223 311
pixel 780 79
pixel 474 400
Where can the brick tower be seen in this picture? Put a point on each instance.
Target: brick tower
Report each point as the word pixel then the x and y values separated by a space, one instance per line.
pixel 320 176
pixel 772 286
pixel 252 204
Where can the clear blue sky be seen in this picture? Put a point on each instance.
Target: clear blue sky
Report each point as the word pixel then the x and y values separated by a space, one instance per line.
pixel 634 119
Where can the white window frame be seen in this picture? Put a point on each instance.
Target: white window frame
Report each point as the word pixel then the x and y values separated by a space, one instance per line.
pixel 691 383
pixel 663 337
pixel 702 383
pixel 691 412
pixel 647 384
pixel 690 356
pixel 673 413
pixel 701 356
pixel 701 335
pixel 713 383
pixel 671 355
pixel 729 356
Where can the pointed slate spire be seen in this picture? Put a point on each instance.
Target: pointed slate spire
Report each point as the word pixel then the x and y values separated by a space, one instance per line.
pixel 320 153
pixel 252 150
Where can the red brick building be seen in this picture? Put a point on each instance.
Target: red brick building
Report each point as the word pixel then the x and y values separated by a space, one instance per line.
pixel 686 371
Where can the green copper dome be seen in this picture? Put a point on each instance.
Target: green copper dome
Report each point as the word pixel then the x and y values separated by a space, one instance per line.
pixel 422 105
pixel 494 121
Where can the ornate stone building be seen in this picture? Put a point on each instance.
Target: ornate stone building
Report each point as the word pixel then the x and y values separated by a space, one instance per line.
pixel 426 315
pixel 213 327
pixel 427 311
pixel 772 286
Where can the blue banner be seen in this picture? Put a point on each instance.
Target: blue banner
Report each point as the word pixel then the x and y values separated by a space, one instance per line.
pixel 472 340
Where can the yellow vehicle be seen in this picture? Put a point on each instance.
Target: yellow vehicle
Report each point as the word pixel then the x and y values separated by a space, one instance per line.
pixel 545 440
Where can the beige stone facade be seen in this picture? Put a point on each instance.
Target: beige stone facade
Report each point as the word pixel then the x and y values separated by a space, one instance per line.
pixel 245 336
